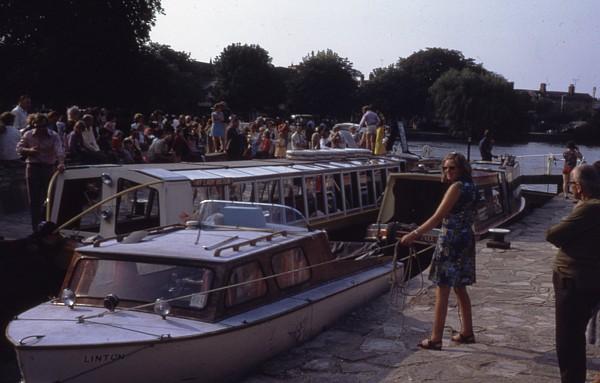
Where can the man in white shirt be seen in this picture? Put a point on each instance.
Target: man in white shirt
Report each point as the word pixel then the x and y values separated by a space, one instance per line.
pixel 371 120
pixel 21 111
pixel 298 139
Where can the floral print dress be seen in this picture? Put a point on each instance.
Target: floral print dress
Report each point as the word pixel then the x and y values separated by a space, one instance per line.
pixel 453 261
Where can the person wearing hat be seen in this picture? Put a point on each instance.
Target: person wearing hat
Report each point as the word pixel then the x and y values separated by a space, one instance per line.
pixel 218 126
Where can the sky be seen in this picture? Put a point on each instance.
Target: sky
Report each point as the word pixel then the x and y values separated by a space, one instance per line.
pixel 526 41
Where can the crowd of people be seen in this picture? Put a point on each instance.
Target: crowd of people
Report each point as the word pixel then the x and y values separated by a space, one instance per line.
pixel 93 136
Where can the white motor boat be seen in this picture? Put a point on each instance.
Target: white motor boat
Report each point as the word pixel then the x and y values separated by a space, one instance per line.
pixel 198 303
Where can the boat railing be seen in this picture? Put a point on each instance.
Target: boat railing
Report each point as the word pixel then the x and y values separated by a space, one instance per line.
pixel 150 231
pixel 250 242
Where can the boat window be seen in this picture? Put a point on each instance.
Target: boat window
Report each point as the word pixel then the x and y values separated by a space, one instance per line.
pixel 379 175
pixel 334 194
pixel 142 282
pixel 314 196
pixel 241 191
pixel 351 191
pixel 137 209
pixel 77 196
pixel 294 195
pixel 268 191
pixel 247 291
pixel 288 260
pixel 203 193
pixel 366 188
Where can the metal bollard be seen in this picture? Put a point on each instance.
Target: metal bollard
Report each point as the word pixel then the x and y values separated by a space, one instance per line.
pixel 497 241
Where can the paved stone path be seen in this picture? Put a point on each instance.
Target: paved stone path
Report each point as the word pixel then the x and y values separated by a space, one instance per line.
pixel 513 314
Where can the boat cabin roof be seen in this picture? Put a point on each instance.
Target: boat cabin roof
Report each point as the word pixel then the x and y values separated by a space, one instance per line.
pixel 181 244
pixel 224 172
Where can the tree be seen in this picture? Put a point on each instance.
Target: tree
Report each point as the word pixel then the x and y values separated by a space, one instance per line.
pixel 389 90
pixel 73 51
pixel 171 80
pixel 424 68
pixel 474 101
pixel 325 84
pixel 246 79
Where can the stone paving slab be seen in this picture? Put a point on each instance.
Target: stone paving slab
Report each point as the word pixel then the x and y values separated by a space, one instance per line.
pixel 513 315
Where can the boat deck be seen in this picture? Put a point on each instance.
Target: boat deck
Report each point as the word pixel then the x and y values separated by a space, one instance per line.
pixel 513 309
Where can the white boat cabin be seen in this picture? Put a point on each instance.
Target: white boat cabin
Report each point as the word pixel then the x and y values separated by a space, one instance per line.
pixel 330 193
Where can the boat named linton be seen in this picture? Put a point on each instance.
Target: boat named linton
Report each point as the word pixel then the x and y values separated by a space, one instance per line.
pixel 203 304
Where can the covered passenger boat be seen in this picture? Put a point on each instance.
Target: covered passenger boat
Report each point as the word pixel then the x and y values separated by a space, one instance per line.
pixel 205 303
pixel 333 193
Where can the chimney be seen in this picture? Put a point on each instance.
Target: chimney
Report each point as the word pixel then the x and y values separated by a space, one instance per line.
pixel 543 88
pixel 571 89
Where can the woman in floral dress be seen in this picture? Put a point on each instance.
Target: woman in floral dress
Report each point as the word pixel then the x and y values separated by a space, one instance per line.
pixel 453 264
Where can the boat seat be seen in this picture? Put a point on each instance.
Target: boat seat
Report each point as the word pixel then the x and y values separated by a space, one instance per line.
pixel 247 216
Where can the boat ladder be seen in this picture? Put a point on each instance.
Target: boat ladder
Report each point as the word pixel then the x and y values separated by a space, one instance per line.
pixel 250 242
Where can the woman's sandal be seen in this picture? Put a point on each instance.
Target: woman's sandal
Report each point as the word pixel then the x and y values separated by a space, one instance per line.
pixel 428 344
pixel 464 339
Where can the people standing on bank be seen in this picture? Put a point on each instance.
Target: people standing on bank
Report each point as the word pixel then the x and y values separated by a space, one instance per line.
pixel 43 153
pixel 235 143
pixel 486 145
pixel 21 111
pixel 9 138
pixel 298 139
pixel 218 126
pixel 571 155
pixel 370 120
pixel 453 264
pixel 10 163
pixel 380 140
pixel 575 272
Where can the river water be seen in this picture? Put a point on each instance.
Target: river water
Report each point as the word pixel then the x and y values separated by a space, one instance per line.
pixel 533 157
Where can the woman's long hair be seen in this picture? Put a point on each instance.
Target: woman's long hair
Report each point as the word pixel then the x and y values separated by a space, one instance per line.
pixel 463 166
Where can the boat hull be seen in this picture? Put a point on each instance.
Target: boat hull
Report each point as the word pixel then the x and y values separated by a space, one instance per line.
pixel 221 356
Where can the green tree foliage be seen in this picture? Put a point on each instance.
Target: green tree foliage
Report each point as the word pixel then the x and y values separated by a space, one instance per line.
pixel 473 101
pixel 324 84
pixel 424 68
pixel 247 80
pixel 389 90
pixel 171 80
pixel 71 51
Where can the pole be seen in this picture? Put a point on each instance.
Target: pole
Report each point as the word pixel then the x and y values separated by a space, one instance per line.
pixel 469 148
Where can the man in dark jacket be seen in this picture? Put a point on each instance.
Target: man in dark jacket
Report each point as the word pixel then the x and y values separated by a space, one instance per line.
pixel 576 271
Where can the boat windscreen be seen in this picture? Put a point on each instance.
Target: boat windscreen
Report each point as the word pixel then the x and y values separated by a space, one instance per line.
pixel 250 214
pixel 142 282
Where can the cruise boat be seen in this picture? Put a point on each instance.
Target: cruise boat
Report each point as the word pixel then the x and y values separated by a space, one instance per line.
pixel 334 189
pixel 201 303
